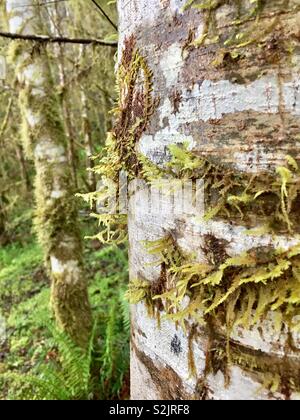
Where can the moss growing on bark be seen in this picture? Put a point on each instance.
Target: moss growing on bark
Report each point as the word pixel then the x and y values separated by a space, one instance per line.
pixel 269 199
pixel 242 291
pixel 56 220
pixel 134 107
pixel 246 31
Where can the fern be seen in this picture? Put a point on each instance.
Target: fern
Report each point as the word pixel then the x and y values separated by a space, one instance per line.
pixel 68 378
pixel 125 311
pixel 113 229
pixel 114 361
pixel 244 288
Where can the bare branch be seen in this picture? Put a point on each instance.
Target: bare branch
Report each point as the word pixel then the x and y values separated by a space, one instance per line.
pixel 59 40
pixel 105 15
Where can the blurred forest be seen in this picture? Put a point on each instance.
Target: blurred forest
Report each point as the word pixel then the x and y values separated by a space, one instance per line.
pixel 64 322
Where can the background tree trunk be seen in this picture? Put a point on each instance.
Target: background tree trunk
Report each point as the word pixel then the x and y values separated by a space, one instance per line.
pixel 23 167
pixel 88 142
pixel 45 140
pixel 239 108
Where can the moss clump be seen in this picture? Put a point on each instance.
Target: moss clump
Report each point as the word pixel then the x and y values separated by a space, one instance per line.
pixel 253 283
pixel 270 199
pixel 134 108
pixel 246 27
pixel 241 291
pixel 132 113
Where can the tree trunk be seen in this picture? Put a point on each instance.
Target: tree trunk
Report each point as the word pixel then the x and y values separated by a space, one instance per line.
pixel 60 14
pixel 3 233
pixel 88 142
pixel 227 81
pixel 45 141
pixel 22 164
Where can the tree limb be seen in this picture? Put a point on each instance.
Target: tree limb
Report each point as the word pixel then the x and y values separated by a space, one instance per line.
pixel 105 15
pixel 59 40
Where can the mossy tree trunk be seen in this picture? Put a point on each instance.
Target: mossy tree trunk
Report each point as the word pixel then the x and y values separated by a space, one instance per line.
pixel 58 28
pixel 45 141
pixel 22 164
pixel 3 234
pixel 227 79
pixel 88 142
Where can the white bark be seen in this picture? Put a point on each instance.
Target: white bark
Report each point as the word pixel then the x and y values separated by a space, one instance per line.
pixel 213 108
pixel 57 215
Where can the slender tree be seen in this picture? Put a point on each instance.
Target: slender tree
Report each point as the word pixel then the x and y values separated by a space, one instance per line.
pixel 45 141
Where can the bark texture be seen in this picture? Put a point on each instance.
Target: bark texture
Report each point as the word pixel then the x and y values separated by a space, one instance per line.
pixel 239 108
pixel 45 141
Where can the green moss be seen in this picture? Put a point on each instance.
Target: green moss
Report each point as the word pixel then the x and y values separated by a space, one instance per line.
pixel 247 28
pixel 20 274
pixel 241 291
pixel 269 199
pixel 134 107
pixel 56 218
pixel 38 361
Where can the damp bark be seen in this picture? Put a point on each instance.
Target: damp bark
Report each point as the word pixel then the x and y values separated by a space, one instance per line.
pixel 228 83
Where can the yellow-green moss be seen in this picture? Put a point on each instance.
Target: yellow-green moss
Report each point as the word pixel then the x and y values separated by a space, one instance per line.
pixel 247 27
pixel 134 108
pixel 56 216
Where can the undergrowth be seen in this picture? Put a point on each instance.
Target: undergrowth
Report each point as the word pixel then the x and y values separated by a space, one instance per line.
pixel 39 362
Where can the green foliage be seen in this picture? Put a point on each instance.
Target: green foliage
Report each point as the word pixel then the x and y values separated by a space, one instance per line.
pixel 245 288
pixel 43 363
pixel 134 107
pixel 231 194
pixel 66 378
pixel 20 274
pixel 37 360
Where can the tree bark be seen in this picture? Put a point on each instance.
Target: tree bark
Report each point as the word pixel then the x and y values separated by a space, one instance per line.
pixel 22 164
pixel 45 141
pixel 3 233
pixel 88 142
pixel 60 14
pixel 238 106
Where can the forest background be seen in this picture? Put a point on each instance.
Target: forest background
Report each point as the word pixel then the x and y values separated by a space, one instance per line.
pixel 41 357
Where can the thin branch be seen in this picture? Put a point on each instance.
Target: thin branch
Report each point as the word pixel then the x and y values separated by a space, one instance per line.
pixel 59 40
pixel 105 15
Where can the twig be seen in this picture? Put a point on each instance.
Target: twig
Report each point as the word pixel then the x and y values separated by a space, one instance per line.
pixel 105 15
pixel 59 40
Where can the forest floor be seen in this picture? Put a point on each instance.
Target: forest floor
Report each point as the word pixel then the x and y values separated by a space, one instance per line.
pixel 33 352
